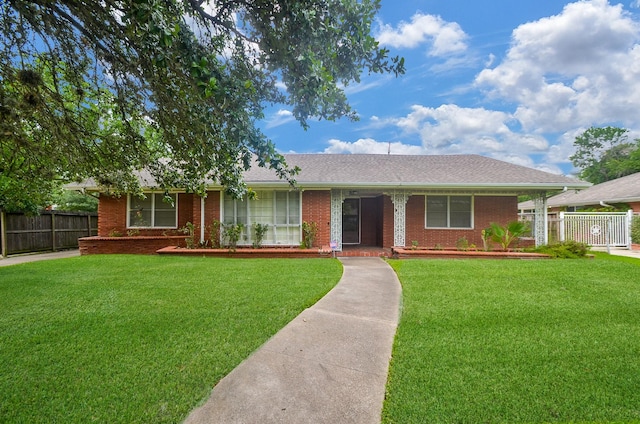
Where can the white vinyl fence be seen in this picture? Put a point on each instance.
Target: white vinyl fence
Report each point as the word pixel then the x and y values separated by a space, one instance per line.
pixel 610 229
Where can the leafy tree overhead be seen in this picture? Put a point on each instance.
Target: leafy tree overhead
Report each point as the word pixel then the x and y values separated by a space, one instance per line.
pixel 76 202
pixel 102 89
pixel 604 154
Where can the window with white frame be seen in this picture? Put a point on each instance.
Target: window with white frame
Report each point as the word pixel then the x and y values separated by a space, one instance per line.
pixel 152 211
pixel 449 212
pixel 279 210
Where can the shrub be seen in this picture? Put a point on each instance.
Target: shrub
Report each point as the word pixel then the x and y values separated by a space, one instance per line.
pixel 506 235
pixel 215 233
pixel 190 230
pixel 635 229
pixel 309 233
pixel 233 234
pixel 259 231
pixel 462 244
pixel 568 249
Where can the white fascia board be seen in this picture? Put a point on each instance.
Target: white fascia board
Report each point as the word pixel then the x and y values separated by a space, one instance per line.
pixel 445 186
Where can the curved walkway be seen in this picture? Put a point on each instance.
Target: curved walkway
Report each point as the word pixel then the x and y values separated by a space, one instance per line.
pixel 328 365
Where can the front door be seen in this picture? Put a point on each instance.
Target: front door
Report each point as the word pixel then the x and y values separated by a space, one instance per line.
pixel 351 221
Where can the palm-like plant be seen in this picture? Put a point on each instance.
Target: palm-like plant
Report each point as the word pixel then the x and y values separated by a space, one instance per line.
pixel 507 234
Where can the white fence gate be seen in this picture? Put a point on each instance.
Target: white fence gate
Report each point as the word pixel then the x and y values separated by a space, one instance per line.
pixel 610 229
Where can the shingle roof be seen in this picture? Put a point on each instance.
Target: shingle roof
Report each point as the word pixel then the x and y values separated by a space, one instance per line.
pixel 403 171
pixel 620 190
pixel 415 171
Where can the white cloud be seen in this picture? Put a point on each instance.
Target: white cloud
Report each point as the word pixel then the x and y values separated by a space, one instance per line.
pixel 445 37
pixel 578 68
pixel 369 145
pixel 451 129
pixel 281 117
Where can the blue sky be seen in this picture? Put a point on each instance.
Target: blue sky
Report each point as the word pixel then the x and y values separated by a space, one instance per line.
pixel 511 80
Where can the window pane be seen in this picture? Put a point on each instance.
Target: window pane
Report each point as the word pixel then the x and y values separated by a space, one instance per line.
pixel 281 207
pixel 261 208
pixel 229 211
pixel 165 213
pixel 460 211
pixel 241 212
pixel 294 207
pixel 140 211
pixel 436 211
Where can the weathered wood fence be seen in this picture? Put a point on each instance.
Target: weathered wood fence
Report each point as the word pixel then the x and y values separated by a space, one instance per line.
pixel 49 231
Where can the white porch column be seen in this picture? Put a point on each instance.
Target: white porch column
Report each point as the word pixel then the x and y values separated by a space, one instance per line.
pixel 541 220
pixel 337 197
pixel 399 199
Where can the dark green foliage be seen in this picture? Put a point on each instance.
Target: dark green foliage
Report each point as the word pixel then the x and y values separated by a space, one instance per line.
pixel 568 249
pixel 102 89
pixel 635 229
pixel 74 201
pixel 604 154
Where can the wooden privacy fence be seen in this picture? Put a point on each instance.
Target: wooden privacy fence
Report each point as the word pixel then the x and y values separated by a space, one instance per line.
pixel 49 231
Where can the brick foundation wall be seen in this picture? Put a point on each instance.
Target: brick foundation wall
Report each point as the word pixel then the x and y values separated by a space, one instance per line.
pixel 145 245
pixel 316 207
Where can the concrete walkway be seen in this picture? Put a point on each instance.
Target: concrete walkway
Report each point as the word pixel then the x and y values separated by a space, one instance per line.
pixel 618 251
pixel 328 365
pixel 20 259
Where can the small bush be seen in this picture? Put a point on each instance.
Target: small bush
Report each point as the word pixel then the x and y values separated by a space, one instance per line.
pixel 564 250
pixel 462 244
pixel 309 234
pixel 635 229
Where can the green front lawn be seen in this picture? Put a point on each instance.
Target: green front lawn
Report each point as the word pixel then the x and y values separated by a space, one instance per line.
pixel 139 338
pixel 516 341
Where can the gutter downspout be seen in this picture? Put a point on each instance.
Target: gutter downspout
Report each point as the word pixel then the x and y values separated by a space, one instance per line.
pixel 605 205
pixel 202 221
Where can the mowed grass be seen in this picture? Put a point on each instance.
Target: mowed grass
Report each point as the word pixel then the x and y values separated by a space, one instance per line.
pixel 124 339
pixel 516 341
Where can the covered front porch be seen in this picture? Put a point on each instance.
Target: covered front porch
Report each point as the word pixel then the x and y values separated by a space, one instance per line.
pixel 362 218
pixel 367 218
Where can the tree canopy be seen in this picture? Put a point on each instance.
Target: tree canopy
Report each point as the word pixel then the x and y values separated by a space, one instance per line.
pixel 103 89
pixel 604 154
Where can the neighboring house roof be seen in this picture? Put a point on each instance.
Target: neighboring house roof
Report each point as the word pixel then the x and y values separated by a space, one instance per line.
pixel 620 190
pixel 408 172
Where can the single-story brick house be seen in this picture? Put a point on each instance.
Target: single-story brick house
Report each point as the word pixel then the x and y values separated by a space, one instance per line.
pixel 365 200
pixel 621 190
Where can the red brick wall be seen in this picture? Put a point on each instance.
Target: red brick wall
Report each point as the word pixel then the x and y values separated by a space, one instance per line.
pixel 211 212
pixel 487 209
pixel 137 245
pixel 387 222
pixel 112 215
pixel 316 207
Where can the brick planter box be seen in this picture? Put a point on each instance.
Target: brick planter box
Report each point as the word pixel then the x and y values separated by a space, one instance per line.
pixel 146 245
pixel 247 252
pixel 403 253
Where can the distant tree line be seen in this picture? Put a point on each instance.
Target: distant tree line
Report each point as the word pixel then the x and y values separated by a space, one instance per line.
pixel 604 154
